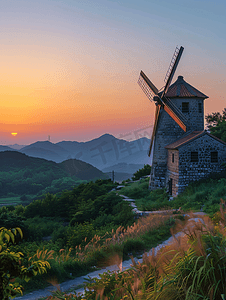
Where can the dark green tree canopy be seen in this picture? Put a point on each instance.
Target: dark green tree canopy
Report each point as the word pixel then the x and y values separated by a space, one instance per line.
pixel 216 124
pixel 146 170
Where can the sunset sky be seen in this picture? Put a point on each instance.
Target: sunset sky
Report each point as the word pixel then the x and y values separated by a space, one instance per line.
pixel 69 68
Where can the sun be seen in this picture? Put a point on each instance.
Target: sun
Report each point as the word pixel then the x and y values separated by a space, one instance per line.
pixel 14 133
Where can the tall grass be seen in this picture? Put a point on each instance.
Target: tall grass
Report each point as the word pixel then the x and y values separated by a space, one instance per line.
pixel 100 251
pixel 192 267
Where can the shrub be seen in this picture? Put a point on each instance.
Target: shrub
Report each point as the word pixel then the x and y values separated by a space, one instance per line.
pixel 11 265
pixel 133 246
pixel 146 170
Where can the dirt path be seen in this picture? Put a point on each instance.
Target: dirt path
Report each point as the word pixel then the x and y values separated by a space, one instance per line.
pixel 144 213
pixel 72 284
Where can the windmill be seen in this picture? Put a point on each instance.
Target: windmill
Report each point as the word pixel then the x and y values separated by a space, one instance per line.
pixel 160 99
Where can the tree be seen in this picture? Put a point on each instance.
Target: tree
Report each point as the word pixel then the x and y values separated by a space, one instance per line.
pixel 24 198
pixel 11 265
pixel 216 124
pixel 146 170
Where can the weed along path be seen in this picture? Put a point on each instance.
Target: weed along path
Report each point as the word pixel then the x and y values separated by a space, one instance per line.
pixel 71 285
pixel 77 284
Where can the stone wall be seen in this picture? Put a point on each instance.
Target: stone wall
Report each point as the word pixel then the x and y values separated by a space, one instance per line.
pixel 173 170
pixel 191 171
pixel 167 132
pixel 194 116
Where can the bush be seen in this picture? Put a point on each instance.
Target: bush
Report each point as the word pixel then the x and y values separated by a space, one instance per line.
pixel 12 265
pixel 146 170
pixel 132 246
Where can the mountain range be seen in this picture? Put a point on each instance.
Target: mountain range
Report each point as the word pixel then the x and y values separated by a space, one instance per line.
pixel 105 153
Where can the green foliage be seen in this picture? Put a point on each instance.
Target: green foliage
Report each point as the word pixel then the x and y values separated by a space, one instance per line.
pixel 146 170
pixel 145 198
pixel 156 200
pixel 72 220
pixel 136 190
pixel 199 195
pixel 84 203
pixel 202 195
pixel 197 274
pixel 11 265
pixel 191 269
pixel 80 234
pixel 22 175
pixel 217 124
pixel 42 227
pixel 9 219
pixel 132 246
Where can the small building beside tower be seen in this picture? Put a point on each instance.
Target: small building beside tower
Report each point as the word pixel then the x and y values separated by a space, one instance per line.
pixel 193 157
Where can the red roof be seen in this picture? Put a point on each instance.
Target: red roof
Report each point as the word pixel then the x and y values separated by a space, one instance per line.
pixel 190 137
pixel 180 88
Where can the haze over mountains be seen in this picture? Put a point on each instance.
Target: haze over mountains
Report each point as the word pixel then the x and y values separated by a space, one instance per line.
pixel 105 153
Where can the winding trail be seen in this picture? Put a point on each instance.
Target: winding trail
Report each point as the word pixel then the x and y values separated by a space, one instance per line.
pixel 73 283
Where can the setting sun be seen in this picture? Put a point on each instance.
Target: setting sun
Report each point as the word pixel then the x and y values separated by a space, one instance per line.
pixel 14 133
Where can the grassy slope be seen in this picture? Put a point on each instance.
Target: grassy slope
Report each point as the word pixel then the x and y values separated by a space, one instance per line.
pixel 196 263
pixel 201 195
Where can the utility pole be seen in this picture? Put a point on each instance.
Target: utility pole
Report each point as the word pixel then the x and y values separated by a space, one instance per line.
pixel 113 176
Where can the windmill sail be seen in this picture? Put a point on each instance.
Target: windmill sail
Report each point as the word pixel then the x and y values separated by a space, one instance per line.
pixel 172 68
pixel 161 101
pixel 147 86
pixel 174 112
pixel 157 110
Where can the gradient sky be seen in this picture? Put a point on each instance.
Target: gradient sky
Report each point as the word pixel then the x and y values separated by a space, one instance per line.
pixel 69 68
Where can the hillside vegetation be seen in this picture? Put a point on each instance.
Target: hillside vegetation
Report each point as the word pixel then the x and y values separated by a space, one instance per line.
pixel 29 177
pixel 193 267
pixel 78 229
pixel 203 195
pixel 91 225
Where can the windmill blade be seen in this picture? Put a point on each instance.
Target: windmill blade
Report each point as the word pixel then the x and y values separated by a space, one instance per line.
pixel 147 86
pixel 157 110
pixel 172 68
pixel 175 113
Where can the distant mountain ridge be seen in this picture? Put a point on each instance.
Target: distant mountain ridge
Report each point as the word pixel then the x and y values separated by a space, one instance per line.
pixel 13 160
pixel 103 152
pixel 21 174
pixel 5 148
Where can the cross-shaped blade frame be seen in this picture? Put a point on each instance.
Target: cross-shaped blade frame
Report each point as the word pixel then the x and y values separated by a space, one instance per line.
pixel 147 86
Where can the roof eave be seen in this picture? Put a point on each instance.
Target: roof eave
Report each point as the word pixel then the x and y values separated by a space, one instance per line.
pixel 194 138
pixel 188 141
pixel 188 97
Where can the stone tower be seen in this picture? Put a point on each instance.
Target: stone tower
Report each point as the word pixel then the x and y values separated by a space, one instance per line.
pixel 190 103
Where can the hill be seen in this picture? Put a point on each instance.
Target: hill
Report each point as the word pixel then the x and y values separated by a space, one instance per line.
pixel 5 148
pixel 80 169
pixel 21 174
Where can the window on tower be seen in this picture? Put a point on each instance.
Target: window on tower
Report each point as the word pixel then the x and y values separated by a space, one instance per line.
pixel 200 107
pixel 185 107
pixel 194 157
